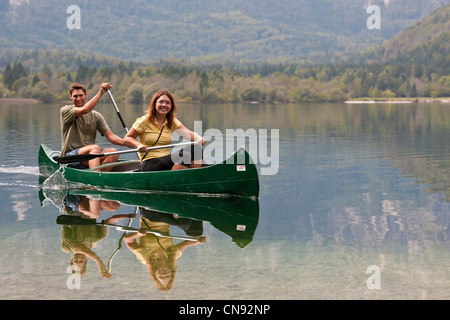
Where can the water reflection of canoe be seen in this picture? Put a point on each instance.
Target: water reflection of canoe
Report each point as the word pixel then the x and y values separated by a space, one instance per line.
pixel 235 216
pixel 236 175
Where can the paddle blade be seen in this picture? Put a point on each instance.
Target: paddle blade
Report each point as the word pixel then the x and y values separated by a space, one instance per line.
pixel 74 220
pixel 77 158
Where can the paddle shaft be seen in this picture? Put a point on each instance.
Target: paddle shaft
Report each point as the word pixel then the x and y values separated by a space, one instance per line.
pixel 117 110
pixel 76 220
pixel 119 115
pixel 156 233
pixel 90 156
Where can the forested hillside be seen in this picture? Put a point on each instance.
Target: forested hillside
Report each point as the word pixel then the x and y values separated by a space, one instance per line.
pixel 432 31
pixel 415 63
pixel 301 31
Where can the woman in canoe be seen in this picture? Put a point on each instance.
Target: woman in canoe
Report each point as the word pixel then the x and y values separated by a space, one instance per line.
pixel 156 129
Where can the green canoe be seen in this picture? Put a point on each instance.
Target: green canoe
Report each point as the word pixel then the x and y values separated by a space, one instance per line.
pixel 236 175
pixel 236 217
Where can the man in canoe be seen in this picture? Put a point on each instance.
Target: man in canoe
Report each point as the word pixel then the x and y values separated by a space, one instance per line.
pixel 156 129
pixel 79 125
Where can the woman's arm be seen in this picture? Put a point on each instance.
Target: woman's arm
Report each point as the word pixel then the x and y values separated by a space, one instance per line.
pixel 187 243
pixel 190 135
pixel 130 141
pixel 130 238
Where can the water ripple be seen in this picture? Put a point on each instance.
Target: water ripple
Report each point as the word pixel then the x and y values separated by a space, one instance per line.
pixel 20 170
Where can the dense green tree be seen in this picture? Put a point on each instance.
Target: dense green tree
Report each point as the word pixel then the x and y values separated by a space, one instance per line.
pixel 8 76
pixel 203 82
pixel 36 79
pixel 11 74
pixel 82 73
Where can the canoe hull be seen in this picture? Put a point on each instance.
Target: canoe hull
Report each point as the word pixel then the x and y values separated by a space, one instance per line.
pixel 236 175
pixel 235 216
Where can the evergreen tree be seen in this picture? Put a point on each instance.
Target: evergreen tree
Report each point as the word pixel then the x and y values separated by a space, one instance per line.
pixel 82 73
pixel 18 71
pixel 35 80
pixel 8 77
pixel 203 83
pixel 13 73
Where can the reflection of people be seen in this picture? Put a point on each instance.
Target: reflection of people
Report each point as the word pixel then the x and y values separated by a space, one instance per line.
pixel 79 124
pixel 191 227
pixel 155 129
pixel 159 254
pixel 75 204
pixel 81 238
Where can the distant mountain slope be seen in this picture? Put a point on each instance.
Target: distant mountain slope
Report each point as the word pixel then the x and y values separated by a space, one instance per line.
pixel 430 35
pixel 414 64
pixel 35 60
pixel 145 31
pixel 420 52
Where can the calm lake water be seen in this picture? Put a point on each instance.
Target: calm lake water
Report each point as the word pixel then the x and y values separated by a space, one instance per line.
pixel 358 209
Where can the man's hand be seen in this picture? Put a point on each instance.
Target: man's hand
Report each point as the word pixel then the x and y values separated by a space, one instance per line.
pixel 105 87
pixel 88 107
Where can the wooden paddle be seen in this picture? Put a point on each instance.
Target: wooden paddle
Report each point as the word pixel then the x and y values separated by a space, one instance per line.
pixel 119 115
pixel 70 220
pixel 117 111
pixel 90 156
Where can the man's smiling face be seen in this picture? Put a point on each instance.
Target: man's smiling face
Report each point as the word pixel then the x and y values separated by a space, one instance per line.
pixel 78 98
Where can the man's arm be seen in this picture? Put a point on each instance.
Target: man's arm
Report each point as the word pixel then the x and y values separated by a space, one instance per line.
pixel 114 139
pixel 88 107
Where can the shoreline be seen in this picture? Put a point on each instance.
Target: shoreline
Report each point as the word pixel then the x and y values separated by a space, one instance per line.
pixel 355 101
pixel 398 100
pixel 19 100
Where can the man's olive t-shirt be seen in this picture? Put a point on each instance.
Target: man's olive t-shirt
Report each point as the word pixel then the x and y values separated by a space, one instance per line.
pixel 77 132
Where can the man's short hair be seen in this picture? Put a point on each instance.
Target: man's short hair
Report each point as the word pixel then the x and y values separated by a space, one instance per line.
pixel 77 86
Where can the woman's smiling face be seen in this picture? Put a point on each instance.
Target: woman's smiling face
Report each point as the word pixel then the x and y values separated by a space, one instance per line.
pixel 163 105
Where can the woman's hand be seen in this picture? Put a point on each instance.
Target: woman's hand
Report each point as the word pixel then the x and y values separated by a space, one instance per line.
pixel 142 147
pixel 201 141
pixel 142 232
pixel 201 240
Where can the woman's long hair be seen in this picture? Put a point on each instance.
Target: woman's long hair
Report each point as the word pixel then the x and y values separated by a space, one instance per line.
pixel 169 261
pixel 152 107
